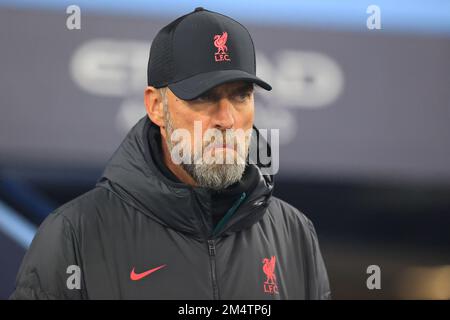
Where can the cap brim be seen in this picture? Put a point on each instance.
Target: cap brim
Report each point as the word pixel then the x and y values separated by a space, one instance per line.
pixel 195 86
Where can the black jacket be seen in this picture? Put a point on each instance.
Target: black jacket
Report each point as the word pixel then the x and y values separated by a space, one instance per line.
pixel 140 235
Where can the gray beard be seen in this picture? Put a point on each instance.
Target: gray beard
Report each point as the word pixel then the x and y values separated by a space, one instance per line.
pixel 213 176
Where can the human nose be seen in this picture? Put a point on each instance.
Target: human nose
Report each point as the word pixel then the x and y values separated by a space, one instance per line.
pixel 223 117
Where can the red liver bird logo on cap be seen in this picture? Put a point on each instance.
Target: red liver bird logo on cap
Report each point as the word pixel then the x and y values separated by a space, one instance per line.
pixel 270 285
pixel 220 43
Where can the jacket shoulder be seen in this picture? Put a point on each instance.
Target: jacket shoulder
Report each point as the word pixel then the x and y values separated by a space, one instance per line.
pixel 56 247
pixel 87 206
pixel 280 209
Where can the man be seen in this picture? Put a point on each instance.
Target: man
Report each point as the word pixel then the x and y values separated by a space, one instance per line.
pixel 168 220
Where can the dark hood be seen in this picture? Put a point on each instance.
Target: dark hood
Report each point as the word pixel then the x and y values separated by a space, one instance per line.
pixel 133 176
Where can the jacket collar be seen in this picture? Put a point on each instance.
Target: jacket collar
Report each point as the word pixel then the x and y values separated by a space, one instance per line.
pixel 133 175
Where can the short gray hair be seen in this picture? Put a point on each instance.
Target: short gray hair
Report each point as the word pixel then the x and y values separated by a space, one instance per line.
pixel 163 93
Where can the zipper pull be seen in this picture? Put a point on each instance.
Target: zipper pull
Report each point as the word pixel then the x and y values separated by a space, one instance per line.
pixel 212 248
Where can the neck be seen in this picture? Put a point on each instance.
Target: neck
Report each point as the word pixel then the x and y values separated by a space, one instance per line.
pixel 176 169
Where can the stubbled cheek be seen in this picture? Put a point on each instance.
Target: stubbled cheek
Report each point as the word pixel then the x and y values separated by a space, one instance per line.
pixel 248 119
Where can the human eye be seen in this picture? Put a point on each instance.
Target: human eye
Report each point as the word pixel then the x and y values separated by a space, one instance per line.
pixel 204 98
pixel 242 96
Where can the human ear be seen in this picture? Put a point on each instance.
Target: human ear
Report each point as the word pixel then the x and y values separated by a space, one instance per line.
pixel 154 105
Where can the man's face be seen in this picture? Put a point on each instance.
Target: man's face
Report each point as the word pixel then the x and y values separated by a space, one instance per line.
pixel 224 118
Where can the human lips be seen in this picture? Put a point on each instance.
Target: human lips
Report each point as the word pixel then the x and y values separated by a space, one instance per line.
pixel 219 146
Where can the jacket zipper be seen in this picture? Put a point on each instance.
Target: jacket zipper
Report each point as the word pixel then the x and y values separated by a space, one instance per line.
pixel 229 214
pixel 212 259
pixel 212 246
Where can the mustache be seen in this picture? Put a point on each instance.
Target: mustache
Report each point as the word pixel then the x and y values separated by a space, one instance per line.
pixel 234 142
pixel 237 140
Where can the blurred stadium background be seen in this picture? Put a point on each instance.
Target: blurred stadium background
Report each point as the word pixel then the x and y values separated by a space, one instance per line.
pixel 363 116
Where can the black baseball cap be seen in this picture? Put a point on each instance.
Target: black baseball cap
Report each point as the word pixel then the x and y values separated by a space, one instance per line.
pixel 199 51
